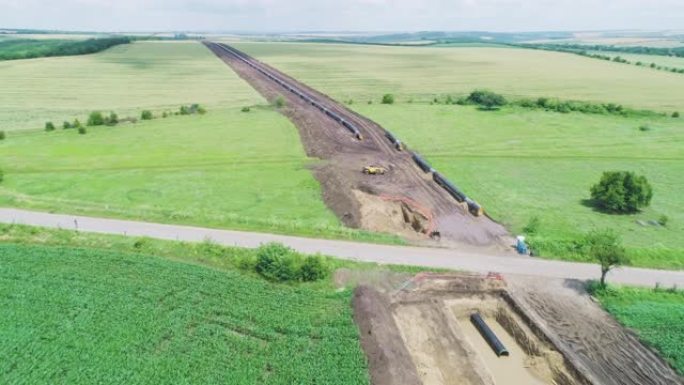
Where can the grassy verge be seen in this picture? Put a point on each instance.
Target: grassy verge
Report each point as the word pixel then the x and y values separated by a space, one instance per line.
pixel 657 316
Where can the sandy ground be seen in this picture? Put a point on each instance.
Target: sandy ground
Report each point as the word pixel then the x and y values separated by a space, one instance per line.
pixel 561 338
pixel 404 201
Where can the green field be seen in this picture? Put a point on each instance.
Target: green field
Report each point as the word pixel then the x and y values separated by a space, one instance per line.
pixel 228 169
pixel 656 316
pixel 85 316
pixel 519 163
pixel 364 72
pixel 126 79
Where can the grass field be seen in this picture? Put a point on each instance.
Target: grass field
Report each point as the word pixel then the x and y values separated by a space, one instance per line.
pixel 523 163
pixel 228 168
pixel 656 316
pixel 84 316
pixel 126 79
pixel 361 73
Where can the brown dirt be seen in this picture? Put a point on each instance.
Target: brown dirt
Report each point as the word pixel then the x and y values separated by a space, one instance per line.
pixel 560 336
pixel 598 346
pixel 404 201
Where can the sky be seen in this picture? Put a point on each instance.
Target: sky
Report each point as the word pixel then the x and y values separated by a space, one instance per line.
pixel 342 15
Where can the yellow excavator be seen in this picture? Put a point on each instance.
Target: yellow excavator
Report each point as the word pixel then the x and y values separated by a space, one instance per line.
pixel 374 170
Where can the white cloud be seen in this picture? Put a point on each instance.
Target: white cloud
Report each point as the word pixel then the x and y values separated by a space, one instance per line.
pixel 366 15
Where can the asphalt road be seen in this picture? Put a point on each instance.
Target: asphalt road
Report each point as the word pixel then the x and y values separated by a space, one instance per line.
pixel 469 260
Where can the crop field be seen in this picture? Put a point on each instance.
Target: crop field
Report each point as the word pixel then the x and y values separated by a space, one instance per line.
pixel 656 316
pixel 363 73
pixel 521 164
pixel 125 79
pixel 84 316
pixel 228 169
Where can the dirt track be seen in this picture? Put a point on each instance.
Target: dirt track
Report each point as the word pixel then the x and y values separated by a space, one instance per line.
pixel 561 337
pixel 404 201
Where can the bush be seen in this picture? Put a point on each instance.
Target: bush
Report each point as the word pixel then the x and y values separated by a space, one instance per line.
pixel 49 126
pixel 3 135
pixel 66 125
pixel 82 130
pixel 622 192
pixel 76 123
pixel 2 175
pixel 184 110
pixel 387 99
pixel 201 110
pixel 275 262
pixel 675 114
pixel 313 269
pixel 486 99
pixel 280 101
pixel 644 128
pixel 112 119
pixel 663 220
pixel 245 109
pixel 164 114
pixel 146 115
pixel 95 119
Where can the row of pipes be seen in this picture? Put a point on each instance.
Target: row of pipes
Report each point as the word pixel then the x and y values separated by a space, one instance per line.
pixel 473 207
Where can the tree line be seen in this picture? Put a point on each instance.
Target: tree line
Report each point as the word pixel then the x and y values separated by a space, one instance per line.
pixel 15 49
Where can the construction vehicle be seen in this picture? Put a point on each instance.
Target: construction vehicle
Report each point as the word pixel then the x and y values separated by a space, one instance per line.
pixel 374 170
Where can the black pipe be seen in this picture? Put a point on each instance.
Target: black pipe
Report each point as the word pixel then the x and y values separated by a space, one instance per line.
pixel 488 335
pixel 424 165
pixel 450 188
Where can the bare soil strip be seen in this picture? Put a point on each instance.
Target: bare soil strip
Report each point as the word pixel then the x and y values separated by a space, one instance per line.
pixel 561 339
pixel 403 201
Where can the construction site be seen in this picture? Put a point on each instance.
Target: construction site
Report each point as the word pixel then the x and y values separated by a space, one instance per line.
pixel 448 328
pixel 420 330
pixel 408 198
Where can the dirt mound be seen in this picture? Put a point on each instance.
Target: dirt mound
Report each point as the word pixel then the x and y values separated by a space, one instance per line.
pixel 403 201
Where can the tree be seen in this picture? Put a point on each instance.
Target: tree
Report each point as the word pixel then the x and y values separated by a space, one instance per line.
pixel 280 101
pixel 82 130
pixel 96 119
pixel 66 125
pixel 146 115
pixel 387 99
pixel 486 99
pixel 76 123
pixel 622 192
pixel 3 135
pixel 49 126
pixel 605 247
pixel 675 114
pixel 313 269
pixel 276 262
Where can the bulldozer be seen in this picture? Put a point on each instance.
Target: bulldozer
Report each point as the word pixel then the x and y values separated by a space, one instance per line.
pixel 374 170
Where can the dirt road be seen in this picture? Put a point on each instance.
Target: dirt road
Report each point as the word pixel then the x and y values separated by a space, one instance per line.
pixel 473 259
pixel 404 201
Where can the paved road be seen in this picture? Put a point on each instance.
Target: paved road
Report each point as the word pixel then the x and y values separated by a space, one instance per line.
pixel 429 257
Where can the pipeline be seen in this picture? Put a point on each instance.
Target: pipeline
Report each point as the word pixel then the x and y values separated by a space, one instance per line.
pixel 355 131
pixel 489 335
pixel 474 207
pixel 450 188
pixel 422 163
pixel 396 142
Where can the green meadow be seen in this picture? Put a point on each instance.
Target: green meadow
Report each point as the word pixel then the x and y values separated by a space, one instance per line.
pixel 225 169
pixel 125 79
pixel 365 72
